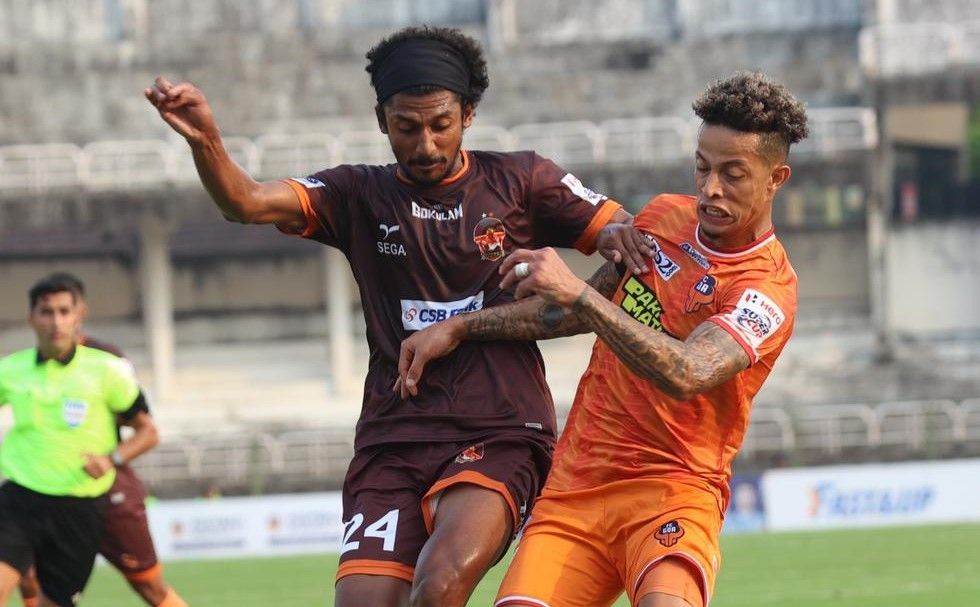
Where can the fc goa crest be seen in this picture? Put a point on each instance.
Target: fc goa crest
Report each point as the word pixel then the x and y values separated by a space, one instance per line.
pixel 701 294
pixel 669 533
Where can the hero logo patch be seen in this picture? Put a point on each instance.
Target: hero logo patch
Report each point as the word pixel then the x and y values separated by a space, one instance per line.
pixel 573 184
pixel 756 316
pixel 696 255
pixel 669 533
pixel 701 294
pixel 640 302
pixel 309 182
pixel 665 266
pixel 489 235
pixel 470 454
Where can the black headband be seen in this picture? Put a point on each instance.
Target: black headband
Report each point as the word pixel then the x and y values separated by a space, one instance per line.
pixel 417 62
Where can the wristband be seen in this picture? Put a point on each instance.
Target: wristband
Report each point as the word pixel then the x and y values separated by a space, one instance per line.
pixel 116 458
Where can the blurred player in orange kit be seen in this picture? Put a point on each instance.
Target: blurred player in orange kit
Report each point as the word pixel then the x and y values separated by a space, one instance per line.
pixel 640 481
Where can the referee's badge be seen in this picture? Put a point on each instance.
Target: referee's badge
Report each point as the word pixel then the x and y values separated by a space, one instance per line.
pixel 74 412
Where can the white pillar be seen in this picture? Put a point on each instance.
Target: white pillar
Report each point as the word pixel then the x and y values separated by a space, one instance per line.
pixel 340 322
pixel 157 302
pixel 882 170
pixel 501 25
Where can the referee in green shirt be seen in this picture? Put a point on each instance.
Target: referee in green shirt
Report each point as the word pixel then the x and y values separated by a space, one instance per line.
pixel 58 456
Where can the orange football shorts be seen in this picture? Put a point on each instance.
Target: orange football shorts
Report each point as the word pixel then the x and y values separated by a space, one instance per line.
pixel 583 548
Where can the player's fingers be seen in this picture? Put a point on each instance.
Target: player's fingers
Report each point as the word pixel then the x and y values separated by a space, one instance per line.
pixel 162 83
pixel 405 355
pixel 525 288
pixel 182 91
pixel 636 258
pixel 515 258
pixel 510 279
pixel 414 374
pixel 643 243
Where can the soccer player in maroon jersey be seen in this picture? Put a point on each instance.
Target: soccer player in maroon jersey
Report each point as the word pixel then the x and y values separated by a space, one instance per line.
pixel 126 540
pixel 439 483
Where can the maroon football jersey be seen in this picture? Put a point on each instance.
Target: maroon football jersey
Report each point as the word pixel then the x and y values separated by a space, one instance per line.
pixel 101 345
pixel 422 254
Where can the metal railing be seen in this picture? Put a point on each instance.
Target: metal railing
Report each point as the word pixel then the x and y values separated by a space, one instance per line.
pixel 115 165
pixel 908 49
pixel 811 434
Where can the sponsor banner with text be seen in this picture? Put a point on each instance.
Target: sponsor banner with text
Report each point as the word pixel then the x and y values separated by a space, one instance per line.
pixel 872 495
pixel 247 526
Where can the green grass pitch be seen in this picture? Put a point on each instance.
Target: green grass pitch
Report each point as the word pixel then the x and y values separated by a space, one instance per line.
pixel 894 567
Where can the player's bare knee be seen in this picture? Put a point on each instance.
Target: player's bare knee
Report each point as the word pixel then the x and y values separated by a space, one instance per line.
pixel 440 587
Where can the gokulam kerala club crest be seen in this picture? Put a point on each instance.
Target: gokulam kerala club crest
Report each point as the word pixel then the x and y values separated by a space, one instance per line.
pixel 489 235
pixel 470 454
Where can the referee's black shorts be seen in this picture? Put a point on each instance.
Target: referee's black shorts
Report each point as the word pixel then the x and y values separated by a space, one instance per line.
pixel 60 535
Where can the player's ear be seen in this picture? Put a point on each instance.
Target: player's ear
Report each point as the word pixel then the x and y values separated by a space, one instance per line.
pixel 469 112
pixel 379 111
pixel 779 176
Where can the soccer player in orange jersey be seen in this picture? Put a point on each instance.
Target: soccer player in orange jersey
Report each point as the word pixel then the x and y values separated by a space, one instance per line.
pixel 640 480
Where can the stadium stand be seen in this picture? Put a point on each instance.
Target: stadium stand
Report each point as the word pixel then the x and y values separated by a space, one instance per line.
pixel 316 458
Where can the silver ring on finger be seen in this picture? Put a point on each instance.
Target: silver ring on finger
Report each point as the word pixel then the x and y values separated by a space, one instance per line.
pixel 522 270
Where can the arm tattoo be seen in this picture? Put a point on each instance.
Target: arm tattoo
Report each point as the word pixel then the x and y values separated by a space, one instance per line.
pixel 533 318
pixel 709 357
pixel 528 319
pixel 606 279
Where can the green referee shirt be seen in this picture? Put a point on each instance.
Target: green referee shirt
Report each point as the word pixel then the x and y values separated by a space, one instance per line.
pixel 62 410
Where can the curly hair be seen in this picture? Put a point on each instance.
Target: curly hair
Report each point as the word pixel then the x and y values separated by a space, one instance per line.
pixel 753 103
pixel 466 46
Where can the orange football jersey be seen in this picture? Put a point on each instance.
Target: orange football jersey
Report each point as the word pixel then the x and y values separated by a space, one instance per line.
pixel 622 426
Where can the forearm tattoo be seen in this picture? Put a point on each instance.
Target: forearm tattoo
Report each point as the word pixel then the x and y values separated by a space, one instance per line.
pixel 709 357
pixel 529 319
pixel 534 318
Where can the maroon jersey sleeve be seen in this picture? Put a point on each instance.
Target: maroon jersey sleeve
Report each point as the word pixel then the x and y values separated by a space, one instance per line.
pixel 566 213
pixel 327 199
pixel 102 345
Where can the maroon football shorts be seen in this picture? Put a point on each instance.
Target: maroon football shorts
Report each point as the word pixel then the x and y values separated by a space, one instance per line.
pixel 391 492
pixel 126 541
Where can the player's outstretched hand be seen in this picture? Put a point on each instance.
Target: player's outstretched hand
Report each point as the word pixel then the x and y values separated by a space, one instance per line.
pixel 541 272
pixel 97 466
pixel 622 243
pixel 420 348
pixel 184 107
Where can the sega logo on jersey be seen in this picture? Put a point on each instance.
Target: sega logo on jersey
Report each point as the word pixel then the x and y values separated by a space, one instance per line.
pixel 757 316
pixel 309 182
pixel 573 184
pixel 418 314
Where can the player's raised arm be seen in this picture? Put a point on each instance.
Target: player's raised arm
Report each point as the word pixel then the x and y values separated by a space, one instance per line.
pixel 185 108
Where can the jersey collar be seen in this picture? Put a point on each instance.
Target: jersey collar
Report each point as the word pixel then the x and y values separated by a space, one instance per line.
pixel 739 251
pixel 64 360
